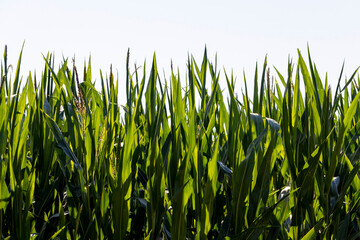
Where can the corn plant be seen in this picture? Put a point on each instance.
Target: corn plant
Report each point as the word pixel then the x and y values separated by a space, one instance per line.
pixel 178 160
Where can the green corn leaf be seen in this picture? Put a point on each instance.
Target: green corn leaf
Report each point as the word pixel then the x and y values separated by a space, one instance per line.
pixel 242 179
pixel 62 143
pixel 343 130
pixel 5 195
pixel 17 75
pixel 310 235
pixel 262 87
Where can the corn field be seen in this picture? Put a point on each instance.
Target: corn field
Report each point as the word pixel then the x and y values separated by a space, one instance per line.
pixel 178 159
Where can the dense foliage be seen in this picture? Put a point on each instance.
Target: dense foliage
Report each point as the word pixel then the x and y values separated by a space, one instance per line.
pixel 178 160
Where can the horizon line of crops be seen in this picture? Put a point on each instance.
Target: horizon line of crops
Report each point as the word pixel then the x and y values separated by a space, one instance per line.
pixel 182 161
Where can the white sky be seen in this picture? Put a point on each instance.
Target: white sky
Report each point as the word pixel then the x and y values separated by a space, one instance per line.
pixel 240 32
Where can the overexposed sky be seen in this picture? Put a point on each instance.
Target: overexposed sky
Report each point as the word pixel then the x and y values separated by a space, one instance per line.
pixel 240 32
